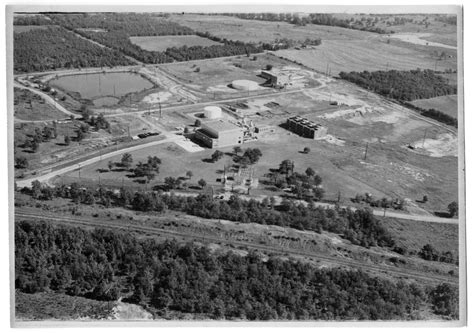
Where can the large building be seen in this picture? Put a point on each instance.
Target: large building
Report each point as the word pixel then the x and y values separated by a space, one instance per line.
pixel 220 133
pixel 306 128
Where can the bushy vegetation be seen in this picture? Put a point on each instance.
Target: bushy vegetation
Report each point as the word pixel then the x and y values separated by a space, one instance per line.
pixel 105 265
pixel 382 203
pixel 53 48
pixel 428 252
pixel 402 85
pixel 313 18
pixel 359 227
pixel 435 114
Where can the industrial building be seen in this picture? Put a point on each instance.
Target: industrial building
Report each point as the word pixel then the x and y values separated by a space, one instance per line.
pixel 306 128
pixel 276 79
pixel 220 133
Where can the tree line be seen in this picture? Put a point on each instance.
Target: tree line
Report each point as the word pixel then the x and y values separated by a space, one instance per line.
pixel 359 227
pixel 105 265
pixel 53 48
pixel 402 85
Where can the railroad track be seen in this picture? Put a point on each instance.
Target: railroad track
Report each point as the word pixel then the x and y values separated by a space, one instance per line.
pixel 428 277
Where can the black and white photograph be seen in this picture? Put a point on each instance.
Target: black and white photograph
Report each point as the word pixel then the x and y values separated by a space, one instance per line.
pixel 230 165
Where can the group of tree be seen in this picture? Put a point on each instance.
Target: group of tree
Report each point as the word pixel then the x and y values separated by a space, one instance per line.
pixel 39 50
pixel 165 277
pixel 313 18
pixel 381 203
pixel 359 227
pixel 250 156
pixel 428 252
pixel 402 85
pixel 435 114
pixel 149 170
pixel 305 185
pixel 98 122
pixel 39 136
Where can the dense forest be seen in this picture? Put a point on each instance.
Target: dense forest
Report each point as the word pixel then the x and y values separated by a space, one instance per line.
pixel 359 227
pixel 31 20
pixel 106 265
pixel 133 24
pixel 402 85
pixel 114 31
pixel 55 47
pixel 313 18
pixel 435 114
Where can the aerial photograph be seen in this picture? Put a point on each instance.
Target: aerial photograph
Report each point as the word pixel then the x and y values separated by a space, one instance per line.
pixel 236 166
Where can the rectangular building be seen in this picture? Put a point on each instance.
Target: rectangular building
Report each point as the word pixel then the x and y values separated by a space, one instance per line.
pixel 220 133
pixel 306 128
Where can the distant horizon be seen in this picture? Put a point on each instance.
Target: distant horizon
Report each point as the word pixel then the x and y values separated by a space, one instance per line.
pixel 213 9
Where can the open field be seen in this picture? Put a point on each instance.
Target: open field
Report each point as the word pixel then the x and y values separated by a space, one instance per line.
pixel 446 104
pixel 161 43
pixel 263 31
pixel 414 235
pixel 29 106
pixel 359 55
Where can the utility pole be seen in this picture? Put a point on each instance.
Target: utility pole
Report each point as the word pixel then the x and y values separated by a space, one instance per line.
pixel 366 148
pixel 424 137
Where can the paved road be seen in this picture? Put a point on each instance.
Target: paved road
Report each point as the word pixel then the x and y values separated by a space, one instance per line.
pixel 46 177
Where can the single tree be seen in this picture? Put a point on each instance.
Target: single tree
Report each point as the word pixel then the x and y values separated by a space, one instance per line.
pixel 453 208
pixel 306 150
pixel 110 165
pixel 237 150
pixel 21 162
pixel 127 160
pixel 310 172
pixel 189 174
pixel 202 183
pixel 67 140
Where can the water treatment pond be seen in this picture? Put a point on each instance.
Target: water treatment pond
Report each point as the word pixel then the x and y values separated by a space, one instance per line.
pixel 98 85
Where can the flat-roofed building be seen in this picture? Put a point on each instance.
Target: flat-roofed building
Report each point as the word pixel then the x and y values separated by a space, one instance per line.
pixel 306 128
pixel 220 133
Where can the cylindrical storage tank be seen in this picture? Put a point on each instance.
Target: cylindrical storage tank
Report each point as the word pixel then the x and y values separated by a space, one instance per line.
pixel 212 112
pixel 244 85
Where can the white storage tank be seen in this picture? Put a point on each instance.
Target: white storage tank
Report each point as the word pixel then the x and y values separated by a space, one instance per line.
pixel 245 85
pixel 212 112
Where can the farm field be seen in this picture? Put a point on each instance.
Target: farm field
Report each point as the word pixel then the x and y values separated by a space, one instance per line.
pixel 360 55
pixel 263 31
pixel 446 104
pixel 161 43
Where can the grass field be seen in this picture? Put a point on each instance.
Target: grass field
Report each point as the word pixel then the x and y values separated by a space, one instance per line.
pixel 56 306
pixel 414 234
pixel 161 43
pixel 370 55
pixel 29 106
pixel 221 72
pixel 446 104
pixel 262 31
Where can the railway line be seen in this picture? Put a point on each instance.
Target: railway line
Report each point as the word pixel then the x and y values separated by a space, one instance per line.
pixel 391 270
